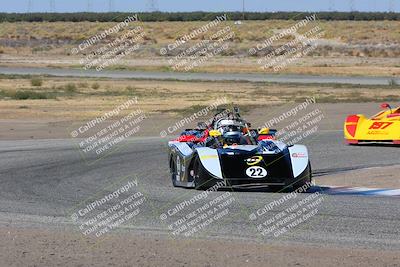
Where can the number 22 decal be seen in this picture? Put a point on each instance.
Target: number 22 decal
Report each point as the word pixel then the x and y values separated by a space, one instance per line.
pixel 380 125
pixel 256 172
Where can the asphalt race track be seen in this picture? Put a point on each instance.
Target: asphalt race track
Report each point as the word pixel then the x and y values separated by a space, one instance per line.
pixel 274 78
pixel 42 182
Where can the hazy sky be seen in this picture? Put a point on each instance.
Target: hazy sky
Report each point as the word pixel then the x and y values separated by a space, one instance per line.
pixel 196 5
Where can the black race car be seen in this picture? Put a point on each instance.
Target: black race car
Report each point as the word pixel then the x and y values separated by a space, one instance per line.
pixel 227 150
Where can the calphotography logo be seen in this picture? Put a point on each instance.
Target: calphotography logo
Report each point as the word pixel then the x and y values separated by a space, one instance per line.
pixel 99 52
pixel 103 35
pixel 104 134
pixel 195 116
pixel 189 54
pixel 282 216
pixel 199 212
pixel 108 211
pixel 192 35
pixel 292 51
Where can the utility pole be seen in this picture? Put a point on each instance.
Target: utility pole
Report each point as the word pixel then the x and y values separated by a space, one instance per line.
pixel 111 5
pixel 52 6
pixel 391 6
pixel 89 6
pixel 30 4
pixel 352 5
pixel 243 10
pixel 331 5
pixel 152 5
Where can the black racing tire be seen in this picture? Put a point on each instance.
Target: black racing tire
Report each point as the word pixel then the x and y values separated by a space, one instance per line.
pixel 304 178
pixel 202 180
pixel 197 172
pixel 172 166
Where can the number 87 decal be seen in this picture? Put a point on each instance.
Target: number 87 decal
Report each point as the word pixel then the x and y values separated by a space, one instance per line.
pixel 380 125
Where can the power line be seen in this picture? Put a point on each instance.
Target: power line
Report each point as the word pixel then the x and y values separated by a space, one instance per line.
pixel 331 5
pixel 152 5
pixel 392 6
pixel 111 5
pixel 52 6
pixel 243 9
pixel 352 5
pixel 89 6
pixel 30 5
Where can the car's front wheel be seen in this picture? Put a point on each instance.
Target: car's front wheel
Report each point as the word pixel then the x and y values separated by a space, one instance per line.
pixel 173 170
pixel 202 179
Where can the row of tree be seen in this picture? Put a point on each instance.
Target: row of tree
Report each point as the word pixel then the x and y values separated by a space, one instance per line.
pixel 193 16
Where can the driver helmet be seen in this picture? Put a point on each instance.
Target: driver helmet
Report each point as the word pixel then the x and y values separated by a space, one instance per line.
pixel 225 126
pixel 232 137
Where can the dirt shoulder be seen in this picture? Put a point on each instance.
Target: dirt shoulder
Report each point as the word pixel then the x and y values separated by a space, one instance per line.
pixel 49 119
pixel 317 65
pixel 38 247
pixel 43 108
pixel 377 177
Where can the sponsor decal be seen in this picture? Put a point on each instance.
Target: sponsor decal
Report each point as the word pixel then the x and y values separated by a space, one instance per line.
pixel 377 133
pixel 299 155
pixel 253 160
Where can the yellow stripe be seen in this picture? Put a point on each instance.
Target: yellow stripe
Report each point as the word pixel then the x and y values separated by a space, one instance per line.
pixel 209 157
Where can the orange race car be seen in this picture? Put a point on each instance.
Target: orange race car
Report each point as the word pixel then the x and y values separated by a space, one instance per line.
pixel 384 127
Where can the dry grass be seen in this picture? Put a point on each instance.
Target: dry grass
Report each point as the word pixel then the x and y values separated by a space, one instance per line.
pixel 374 44
pixel 353 32
pixel 59 37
